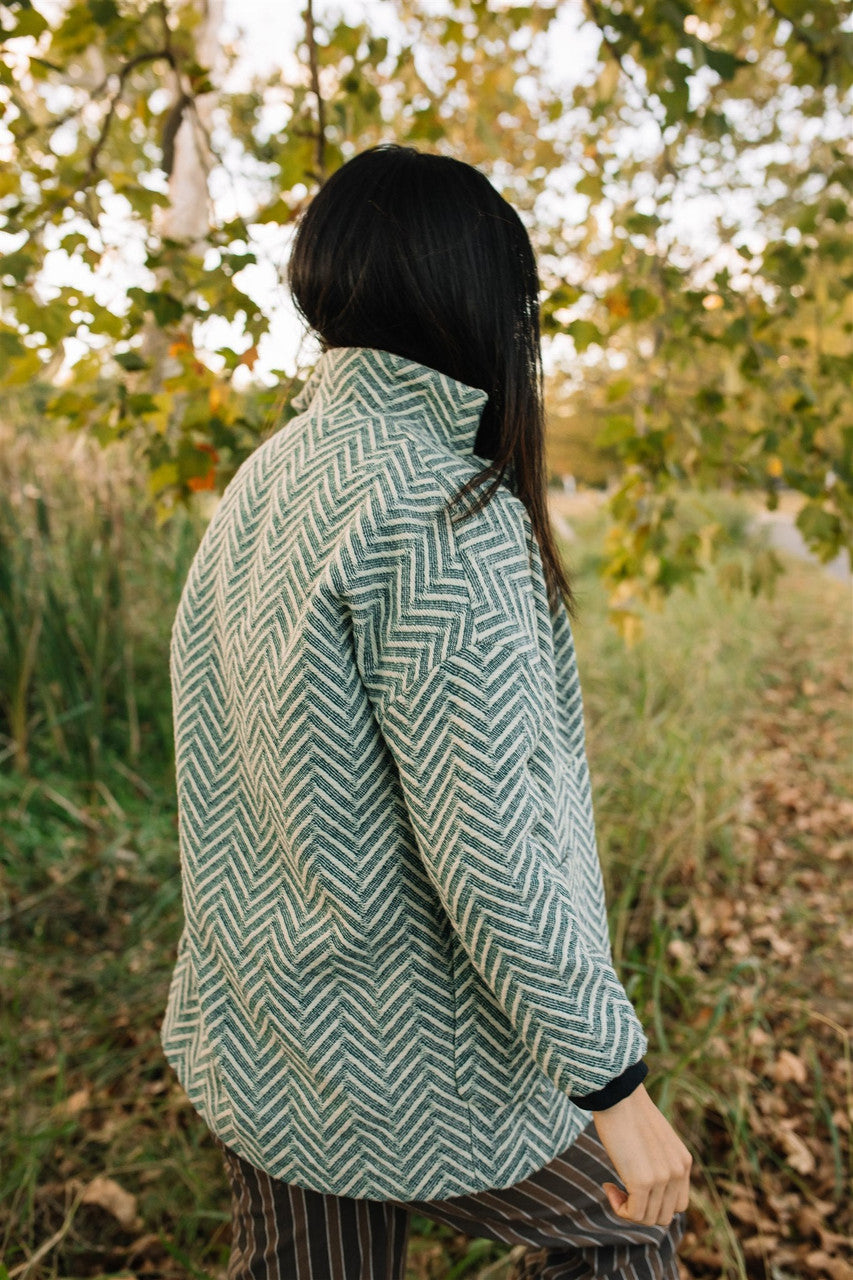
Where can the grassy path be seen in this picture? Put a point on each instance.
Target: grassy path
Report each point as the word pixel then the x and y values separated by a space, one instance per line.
pixel 778 1152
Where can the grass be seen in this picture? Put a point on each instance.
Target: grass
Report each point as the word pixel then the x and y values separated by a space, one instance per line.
pixel 718 748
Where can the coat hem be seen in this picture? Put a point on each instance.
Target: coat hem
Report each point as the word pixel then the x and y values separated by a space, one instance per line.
pixel 535 1157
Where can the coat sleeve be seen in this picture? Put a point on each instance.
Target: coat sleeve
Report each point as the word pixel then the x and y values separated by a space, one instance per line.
pixel 463 731
pixel 461 739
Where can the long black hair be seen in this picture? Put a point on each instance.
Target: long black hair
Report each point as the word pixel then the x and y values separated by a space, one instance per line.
pixel 417 254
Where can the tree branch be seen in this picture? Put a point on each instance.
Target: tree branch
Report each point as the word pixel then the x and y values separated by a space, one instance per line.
pixel 154 55
pixel 315 85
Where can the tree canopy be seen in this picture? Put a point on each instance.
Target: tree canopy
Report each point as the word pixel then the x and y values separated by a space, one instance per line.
pixel 688 195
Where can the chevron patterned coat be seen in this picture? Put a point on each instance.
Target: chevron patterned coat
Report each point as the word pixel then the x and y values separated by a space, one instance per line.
pixel 395 972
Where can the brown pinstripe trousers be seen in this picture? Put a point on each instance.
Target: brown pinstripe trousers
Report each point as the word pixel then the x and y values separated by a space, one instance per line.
pixel 560 1214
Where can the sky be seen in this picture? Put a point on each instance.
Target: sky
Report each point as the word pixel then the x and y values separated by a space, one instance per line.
pixel 270 28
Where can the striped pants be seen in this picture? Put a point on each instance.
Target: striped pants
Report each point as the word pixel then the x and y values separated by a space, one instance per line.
pixel 560 1214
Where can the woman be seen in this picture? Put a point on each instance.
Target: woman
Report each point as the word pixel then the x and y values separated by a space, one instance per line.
pixel 395 990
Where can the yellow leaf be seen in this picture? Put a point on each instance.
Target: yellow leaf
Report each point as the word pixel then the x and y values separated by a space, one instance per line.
pixel 651 565
pixel 629 625
pixel 622 592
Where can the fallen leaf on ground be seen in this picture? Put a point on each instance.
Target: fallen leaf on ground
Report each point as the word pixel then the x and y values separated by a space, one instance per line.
pixel 73 1105
pixel 744 1210
pixel 109 1195
pixel 836 1268
pixel 799 1156
pixel 788 1067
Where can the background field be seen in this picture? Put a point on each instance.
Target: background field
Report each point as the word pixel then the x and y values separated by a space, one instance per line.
pixel 720 752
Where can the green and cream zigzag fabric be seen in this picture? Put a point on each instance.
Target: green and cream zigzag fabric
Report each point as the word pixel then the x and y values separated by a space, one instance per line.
pixel 395 965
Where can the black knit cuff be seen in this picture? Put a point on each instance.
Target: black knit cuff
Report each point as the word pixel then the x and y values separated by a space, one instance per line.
pixel 614 1091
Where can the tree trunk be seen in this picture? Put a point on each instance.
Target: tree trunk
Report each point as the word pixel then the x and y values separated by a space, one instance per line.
pixel 187 217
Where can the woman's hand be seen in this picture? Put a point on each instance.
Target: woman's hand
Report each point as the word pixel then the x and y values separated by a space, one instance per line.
pixel 649 1157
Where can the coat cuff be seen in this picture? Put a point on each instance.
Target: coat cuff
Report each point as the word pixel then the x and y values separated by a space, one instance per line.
pixel 614 1091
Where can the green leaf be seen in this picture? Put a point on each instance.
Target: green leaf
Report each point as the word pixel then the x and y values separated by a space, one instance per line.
pixel 619 428
pixel 715 123
pixel 10 345
pixel 69 404
pixel 736 332
pixel 640 222
pixel 784 263
pixel 763 571
pixel 725 64
pixel 619 388
pixel 105 322
pixel 162 477
pixel 16 265
pixel 131 361
pixel 142 200
pixel 584 333
pixel 676 102
pixel 234 262
pixel 73 241
pixel 642 303
pixel 30 23
pixel 278 211
pixel 104 12
pixel 563 296
pixel 142 403
pixel 821 529
pixel 165 308
pixel 24 368
pixel 589 185
pixel 76 31
pixel 710 400
pixel 53 321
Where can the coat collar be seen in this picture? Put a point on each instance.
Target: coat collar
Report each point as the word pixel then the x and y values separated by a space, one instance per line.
pixel 385 383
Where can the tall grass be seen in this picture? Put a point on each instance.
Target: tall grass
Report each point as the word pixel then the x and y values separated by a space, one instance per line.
pixel 86 581
pixel 661 722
